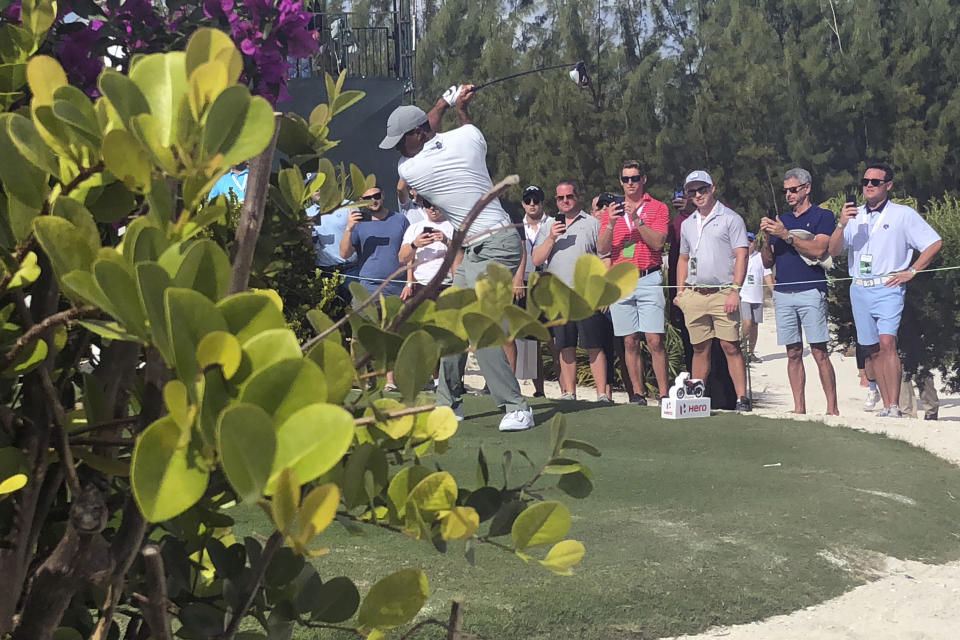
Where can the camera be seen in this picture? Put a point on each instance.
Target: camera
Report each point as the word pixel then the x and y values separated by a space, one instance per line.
pixel 365 215
pixel 605 199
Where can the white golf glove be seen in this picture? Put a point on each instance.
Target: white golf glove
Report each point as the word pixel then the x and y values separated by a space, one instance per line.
pixel 451 94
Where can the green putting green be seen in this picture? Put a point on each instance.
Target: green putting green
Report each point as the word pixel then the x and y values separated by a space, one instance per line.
pixel 692 523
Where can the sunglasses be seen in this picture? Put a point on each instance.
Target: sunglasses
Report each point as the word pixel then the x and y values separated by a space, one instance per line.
pixel 532 200
pixel 873 182
pixel 373 196
pixel 426 204
pixel 569 196
pixel 633 179
pixel 794 189
pixel 704 190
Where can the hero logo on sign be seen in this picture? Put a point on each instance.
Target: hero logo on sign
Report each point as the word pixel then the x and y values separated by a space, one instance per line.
pixel 686 399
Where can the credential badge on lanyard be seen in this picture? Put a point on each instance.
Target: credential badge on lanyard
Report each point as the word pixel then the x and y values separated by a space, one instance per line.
pixel 866 259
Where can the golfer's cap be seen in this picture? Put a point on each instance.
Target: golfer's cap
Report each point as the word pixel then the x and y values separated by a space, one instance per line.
pixel 403 119
pixel 533 190
pixel 751 235
pixel 696 176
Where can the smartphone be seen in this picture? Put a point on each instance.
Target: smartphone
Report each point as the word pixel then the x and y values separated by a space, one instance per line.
pixel 365 215
pixel 851 198
pixel 677 194
pixel 772 214
pixel 428 229
pixel 559 217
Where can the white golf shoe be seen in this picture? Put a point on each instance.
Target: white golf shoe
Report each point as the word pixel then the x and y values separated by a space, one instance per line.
pixel 872 400
pixel 517 421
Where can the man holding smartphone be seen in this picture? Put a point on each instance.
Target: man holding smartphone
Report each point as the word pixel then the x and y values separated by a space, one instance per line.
pixel 880 238
pixel 635 231
pixel 795 242
pixel 572 234
pixel 373 233
pixel 710 271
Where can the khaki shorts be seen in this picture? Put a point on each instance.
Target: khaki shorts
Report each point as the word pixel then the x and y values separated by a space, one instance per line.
pixel 705 318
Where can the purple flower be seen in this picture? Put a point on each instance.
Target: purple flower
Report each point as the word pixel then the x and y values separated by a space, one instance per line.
pixel 12 13
pixel 77 54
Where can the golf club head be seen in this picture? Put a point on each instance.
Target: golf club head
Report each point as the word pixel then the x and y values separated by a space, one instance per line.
pixel 578 73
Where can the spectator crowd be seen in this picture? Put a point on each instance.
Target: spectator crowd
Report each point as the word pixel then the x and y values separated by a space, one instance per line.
pixel 712 288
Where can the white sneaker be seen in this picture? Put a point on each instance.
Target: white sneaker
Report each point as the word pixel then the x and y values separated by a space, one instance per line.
pixel 458 411
pixel 873 398
pixel 517 421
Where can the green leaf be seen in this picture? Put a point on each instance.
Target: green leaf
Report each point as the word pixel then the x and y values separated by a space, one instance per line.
pixel 143 242
pixel 558 431
pixel 393 427
pixel 415 364
pixel 561 466
pixel 394 600
pixel 562 556
pixel 220 348
pixel 162 79
pixel 624 276
pixel 402 483
pixel 256 133
pixel 124 157
pixel 435 492
pixel 152 284
pixel 215 396
pixel 24 136
pixel 178 403
pixel 37 15
pixel 286 497
pixel 346 99
pixel 586 447
pixel 204 268
pixel 164 473
pixel 578 484
pixel 124 95
pixel 337 367
pixel 109 330
pixel 190 316
pixel 292 187
pixel 207 45
pixel 21 178
pixel 540 523
pixel 312 441
pixel 13 470
pixel 120 289
pixel 317 511
pixel 27 273
pixel 249 313
pixel 483 331
pixel 44 75
pixel 336 601
pixel 65 247
pixel 267 348
pixel 224 124
pixel 366 462
pixel 113 203
pixel 285 387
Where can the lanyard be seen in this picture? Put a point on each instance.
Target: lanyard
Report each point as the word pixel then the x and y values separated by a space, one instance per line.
pixel 876 224
pixel 531 239
pixel 240 185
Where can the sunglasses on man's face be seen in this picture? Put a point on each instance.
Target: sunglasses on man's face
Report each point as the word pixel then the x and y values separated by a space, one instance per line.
pixel 793 189
pixel 633 179
pixel 532 200
pixel 873 182
pixel 704 190
pixel 569 196
pixel 373 196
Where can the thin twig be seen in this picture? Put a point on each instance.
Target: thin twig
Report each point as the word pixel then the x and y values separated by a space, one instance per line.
pixel 103 442
pixel 251 215
pixel 399 413
pixel 64 317
pixel 117 422
pixel 61 443
pixel 155 607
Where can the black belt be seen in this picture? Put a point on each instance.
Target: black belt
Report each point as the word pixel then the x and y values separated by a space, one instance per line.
pixel 649 270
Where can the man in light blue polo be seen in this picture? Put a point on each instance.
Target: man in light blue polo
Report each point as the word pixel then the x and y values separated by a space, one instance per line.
pixel 795 242
pixel 881 237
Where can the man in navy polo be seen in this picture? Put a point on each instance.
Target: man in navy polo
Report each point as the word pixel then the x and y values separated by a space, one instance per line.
pixel 881 237
pixel 796 242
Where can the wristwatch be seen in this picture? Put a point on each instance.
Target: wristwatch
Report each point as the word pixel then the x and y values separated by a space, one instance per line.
pixel 789 239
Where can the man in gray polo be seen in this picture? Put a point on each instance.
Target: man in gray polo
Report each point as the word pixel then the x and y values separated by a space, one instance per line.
pixel 558 248
pixel 449 169
pixel 710 272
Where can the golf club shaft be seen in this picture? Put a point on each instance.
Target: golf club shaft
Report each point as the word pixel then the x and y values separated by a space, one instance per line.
pixel 523 73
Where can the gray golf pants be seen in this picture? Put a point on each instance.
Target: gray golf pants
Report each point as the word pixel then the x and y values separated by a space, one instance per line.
pixel 506 248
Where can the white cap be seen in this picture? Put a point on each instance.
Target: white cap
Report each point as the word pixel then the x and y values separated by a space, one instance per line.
pixel 403 119
pixel 698 176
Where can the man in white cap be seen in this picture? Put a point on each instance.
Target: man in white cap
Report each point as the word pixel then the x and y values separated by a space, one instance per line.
pixel 449 169
pixel 710 273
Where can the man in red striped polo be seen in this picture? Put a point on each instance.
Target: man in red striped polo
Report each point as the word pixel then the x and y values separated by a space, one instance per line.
pixel 635 231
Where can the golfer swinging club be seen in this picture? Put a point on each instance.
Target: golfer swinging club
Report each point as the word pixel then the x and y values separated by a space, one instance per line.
pixel 449 169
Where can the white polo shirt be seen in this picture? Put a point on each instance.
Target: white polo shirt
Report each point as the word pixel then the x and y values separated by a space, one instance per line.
pixel 752 289
pixel 451 172
pixel 889 236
